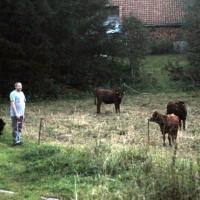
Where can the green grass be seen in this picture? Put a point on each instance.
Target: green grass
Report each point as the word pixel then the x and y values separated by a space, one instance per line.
pixel 156 78
pixel 87 156
pixel 84 156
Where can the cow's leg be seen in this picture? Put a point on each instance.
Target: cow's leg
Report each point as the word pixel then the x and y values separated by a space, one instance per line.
pixel 117 108
pixel 98 107
pixel 174 137
pixel 170 138
pixel 164 140
pixel 184 124
pixel 179 124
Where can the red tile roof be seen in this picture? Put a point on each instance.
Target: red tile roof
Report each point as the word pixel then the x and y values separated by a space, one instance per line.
pixel 153 12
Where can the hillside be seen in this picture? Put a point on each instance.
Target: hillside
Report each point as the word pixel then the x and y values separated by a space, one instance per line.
pixel 156 78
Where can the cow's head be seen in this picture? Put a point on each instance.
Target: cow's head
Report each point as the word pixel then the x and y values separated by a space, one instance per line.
pixel 120 90
pixel 180 104
pixel 154 117
pixel 181 107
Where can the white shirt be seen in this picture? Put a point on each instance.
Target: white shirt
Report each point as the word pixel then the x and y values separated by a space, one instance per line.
pixel 19 99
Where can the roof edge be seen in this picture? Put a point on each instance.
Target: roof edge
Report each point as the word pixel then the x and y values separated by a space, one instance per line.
pixel 163 25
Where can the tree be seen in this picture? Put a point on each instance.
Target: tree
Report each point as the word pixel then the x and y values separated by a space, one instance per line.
pixel 192 27
pixel 24 46
pixel 79 41
pixel 134 44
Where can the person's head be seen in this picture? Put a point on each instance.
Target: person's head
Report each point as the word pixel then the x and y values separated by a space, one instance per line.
pixel 18 86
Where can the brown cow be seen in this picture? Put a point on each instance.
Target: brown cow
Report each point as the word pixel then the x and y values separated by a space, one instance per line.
pixel 168 124
pixel 2 124
pixel 108 96
pixel 179 109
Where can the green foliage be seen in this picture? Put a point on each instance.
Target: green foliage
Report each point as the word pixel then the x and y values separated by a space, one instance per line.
pixel 161 46
pixel 24 45
pixel 192 28
pixel 187 77
pixel 47 89
pixel 134 37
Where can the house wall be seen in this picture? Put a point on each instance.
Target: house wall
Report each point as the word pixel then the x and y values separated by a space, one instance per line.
pixel 170 33
pixel 163 16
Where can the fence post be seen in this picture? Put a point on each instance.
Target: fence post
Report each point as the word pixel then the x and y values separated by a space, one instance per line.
pixel 40 130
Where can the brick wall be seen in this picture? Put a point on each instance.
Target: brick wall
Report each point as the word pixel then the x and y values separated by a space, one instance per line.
pixel 171 33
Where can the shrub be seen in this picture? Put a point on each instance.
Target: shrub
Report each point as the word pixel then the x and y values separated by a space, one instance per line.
pixel 161 46
pixel 189 77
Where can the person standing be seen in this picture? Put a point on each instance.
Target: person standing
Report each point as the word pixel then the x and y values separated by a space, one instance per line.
pixel 17 110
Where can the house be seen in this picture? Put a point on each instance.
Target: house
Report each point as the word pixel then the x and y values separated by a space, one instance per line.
pixel 163 18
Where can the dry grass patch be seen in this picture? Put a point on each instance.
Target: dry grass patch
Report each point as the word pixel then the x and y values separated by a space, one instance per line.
pixel 75 122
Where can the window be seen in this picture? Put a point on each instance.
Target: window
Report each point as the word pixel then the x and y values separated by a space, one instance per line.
pixel 112 21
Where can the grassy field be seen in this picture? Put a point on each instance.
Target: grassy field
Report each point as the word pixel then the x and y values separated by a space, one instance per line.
pixel 87 156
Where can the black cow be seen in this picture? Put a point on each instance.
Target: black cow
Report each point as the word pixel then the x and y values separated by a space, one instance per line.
pixel 179 109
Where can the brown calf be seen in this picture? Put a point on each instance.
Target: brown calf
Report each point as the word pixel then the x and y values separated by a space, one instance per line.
pixel 107 96
pixel 179 109
pixel 168 124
